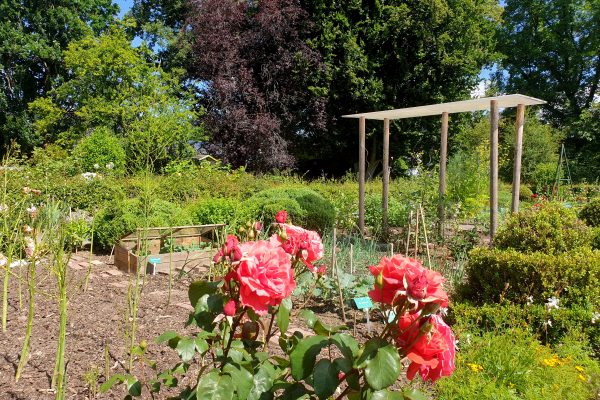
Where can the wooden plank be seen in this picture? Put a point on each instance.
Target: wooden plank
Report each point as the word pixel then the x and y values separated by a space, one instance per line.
pixel 494 117
pixel 361 174
pixel 518 155
pixel 443 162
pixel 386 176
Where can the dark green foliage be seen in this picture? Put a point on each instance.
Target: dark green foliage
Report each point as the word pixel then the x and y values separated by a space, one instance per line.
pixel 305 207
pixel 100 149
pixel 590 213
pixel 123 217
pixel 495 275
pixel 547 227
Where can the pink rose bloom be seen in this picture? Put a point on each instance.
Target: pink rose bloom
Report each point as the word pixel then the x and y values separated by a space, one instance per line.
pixel 265 275
pixel 281 217
pixel 230 249
pixel 229 308
pixel 302 243
pixel 432 354
pixel 405 278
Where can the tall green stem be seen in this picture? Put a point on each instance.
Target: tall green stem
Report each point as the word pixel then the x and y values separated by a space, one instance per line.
pixel 25 349
pixel 58 378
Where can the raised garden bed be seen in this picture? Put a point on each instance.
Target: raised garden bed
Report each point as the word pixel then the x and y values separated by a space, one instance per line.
pixel 167 249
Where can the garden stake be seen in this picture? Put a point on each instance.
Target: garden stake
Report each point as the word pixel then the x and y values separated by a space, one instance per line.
pixel 417 235
pixel 351 259
pixel 333 255
pixel 391 246
pixel 337 273
pixel 170 268
pixel 425 233
pixel 408 234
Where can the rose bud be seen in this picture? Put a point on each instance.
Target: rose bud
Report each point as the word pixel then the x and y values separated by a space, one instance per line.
pixel 229 308
pixel 281 217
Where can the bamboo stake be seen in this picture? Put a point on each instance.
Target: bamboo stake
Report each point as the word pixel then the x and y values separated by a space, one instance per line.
pixel 417 235
pixel 351 258
pixel 408 234
pixel 425 233
pixel 337 273
pixel 391 249
pixel 333 255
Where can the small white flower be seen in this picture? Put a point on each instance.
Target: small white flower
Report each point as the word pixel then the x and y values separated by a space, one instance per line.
pixel 552 303
pixel 595 317
pixel 89 175
pixel 548 323
pixel 3 208
pixel 110 165
pixel 444 311
pixel 32 211
pixel 469 339
pixel 3 260
pixel 29 247
pixel 96 166
pixel 529 300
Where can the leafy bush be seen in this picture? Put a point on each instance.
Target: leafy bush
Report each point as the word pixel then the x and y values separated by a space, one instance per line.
pixel 547 227
pixel 397 212
pixel 100 149
pixel 304 206
pixel 123 217
pixel 525 194
pixel 468 319
pixel 93 194
pixel 596 238
pixel 468 180
pixel 495 275
pixel 213 210
pixel 590 213
pixel 76 232
pixel 513 365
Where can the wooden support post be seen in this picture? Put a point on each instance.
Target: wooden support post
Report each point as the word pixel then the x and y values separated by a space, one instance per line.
pixel 361 174
pixel 494 116
pixel 386 176
pixel 442 189
pixel 517 161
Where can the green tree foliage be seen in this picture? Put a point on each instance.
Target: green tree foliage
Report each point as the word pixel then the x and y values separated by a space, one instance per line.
pixel 391 54
pixel 550 51
pixel 113 85
pixel 33 36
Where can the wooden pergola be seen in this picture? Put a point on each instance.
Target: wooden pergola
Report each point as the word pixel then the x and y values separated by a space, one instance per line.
pixel 493 104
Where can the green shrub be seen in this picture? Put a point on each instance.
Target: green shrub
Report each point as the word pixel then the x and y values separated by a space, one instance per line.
pixel 123 217
pixel 468 319
pixel 89 194
pixel 213 210
pixel 76 232
pixel 397 212
pixel 596 238
pixel 304 206
pixel 495 275
pixel 548 227
pixel 525 194
pixel 512 365
pixel 590 213
pixel 100 149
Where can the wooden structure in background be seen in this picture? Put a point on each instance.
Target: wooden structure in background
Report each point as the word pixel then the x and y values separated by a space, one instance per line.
pixel 152 240
pixel 493 104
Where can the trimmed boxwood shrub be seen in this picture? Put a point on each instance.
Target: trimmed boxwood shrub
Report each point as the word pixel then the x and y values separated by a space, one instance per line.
pixel 496 275
pixel 547 227
pixel 590 213
pixel 214 210
pixel 123 217
pixel 304 206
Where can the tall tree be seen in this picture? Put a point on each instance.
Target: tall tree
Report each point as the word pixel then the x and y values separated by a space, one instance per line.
pixel 115 86
pixel 33 36
pixel 383 54
pixel 256 73
pixel 552 50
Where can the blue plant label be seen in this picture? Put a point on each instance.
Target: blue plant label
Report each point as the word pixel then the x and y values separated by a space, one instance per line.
pixel 363 302
pixel 154 260
pixel 391 317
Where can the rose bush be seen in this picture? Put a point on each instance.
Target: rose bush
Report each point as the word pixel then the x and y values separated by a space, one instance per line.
pixel 239 314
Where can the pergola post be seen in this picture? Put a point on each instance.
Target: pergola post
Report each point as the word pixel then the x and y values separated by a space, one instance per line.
pixel 442 188
pixel 494 115
pixel 517 161
pixel 386 175
pixel 361 174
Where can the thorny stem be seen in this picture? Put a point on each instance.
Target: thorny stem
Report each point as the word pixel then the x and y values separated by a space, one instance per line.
pixel 269 333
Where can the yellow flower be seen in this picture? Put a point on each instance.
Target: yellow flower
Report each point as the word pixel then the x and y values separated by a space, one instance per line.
pixel 579 368
pixel 475 367
pixel 553 362
pixel 582 378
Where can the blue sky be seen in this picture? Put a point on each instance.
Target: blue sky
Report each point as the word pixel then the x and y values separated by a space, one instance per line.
pixel 124 5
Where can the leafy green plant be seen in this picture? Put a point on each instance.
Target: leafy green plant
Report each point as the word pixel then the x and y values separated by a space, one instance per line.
pixel 101 151
pixel 76 230
pixel 495 275
pixel 546 227
pixel 590 213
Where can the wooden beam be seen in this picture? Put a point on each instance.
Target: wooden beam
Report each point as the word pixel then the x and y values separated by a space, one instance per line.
pixel 386 176
pixel 518 154
pixel 442 188
pixel 361 174
pixel 494 116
